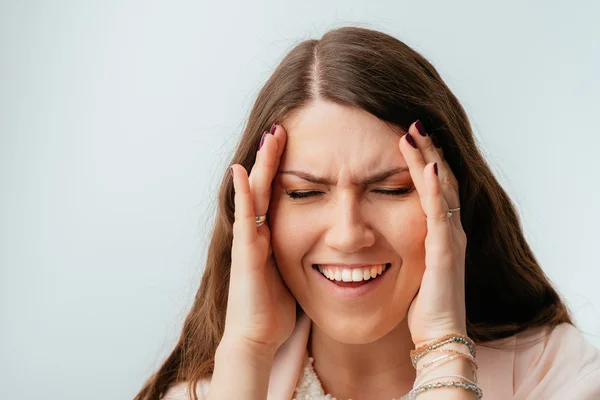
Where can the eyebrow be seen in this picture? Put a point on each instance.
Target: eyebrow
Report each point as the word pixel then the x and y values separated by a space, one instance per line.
pixel 378 177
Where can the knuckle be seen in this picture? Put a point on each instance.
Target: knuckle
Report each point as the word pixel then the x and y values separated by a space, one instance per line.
pixel 240 222
pixel 463 238
pixel 428 146
pixel 443 217
pixel 439 218
pixel 450 180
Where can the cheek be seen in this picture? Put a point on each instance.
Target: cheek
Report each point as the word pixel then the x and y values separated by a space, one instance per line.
pixel 404 227
pixel 291 238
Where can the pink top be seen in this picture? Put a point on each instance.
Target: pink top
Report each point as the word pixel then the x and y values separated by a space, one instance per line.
pixel 561 366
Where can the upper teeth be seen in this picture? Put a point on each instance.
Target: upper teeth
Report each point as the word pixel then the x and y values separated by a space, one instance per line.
pixel 352 274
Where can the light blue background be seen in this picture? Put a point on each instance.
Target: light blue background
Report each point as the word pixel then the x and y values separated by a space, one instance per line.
pixel 118 117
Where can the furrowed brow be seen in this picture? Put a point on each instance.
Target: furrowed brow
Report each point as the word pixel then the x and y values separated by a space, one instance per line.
pixel 376 178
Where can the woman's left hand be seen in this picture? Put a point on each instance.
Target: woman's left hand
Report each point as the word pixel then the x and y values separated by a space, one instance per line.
pixel 439 306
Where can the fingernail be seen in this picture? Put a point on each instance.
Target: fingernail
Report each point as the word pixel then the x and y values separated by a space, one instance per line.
pixel 262 140
pixel 273 127
pixel 411 140
pixel 231 169
pixel 420 128
pixel 435 168
pixel 435 142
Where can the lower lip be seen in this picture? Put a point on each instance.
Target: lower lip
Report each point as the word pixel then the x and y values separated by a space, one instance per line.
pixel 351 292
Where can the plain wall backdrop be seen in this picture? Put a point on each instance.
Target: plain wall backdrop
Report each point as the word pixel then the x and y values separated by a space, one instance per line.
pixel 118 118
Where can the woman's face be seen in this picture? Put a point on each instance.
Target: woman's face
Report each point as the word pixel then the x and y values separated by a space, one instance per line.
pixel 346 220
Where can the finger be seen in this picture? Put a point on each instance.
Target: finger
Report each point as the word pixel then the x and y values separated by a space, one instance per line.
pixel 244 226
pixel 439 227
pixel 281 136
pixel 430 154
pixel 414 160
pixel 265 167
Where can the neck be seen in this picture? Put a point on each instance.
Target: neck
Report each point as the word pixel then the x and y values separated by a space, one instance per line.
pixel 381 369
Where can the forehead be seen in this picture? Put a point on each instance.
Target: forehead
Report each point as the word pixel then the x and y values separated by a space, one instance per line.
pixel 325 133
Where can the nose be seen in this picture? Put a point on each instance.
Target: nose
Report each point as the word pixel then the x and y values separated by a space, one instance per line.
pixel 349 231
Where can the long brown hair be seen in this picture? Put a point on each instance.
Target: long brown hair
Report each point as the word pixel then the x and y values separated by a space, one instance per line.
pixel 506 290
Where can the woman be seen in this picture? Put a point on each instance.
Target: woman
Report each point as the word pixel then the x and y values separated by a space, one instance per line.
pixel 373 254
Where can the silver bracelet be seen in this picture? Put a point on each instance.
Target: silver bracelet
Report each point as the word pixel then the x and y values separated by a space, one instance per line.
pixel 455 384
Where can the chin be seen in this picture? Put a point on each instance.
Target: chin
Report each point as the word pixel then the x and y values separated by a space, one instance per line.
pixel 356 329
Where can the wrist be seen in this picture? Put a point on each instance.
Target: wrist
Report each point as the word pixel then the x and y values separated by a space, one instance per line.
pixel 258 354
pixel 439 339
pixel 433 336
pixel 248 363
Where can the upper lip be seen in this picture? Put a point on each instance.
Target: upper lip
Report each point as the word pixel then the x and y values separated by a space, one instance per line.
pixel 357 265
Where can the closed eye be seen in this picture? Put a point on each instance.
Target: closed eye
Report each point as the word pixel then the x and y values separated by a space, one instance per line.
pixel 313 193
pixel 303 195
pixel 393 192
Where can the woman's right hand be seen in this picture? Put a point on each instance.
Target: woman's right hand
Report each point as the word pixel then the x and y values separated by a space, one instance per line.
pixel 261 311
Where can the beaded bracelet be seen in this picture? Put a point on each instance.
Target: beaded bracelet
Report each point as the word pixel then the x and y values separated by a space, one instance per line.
pixel 451 338
pixel 416 354
pixel 454 384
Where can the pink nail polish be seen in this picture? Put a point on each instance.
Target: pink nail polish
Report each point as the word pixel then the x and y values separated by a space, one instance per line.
pixel 273 127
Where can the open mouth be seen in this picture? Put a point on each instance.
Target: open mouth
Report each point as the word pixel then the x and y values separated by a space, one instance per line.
pixel 352 277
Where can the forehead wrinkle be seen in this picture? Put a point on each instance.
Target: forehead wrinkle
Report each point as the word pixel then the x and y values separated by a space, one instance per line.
pixel 324 180
pixel 319 165
pixel 354 147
